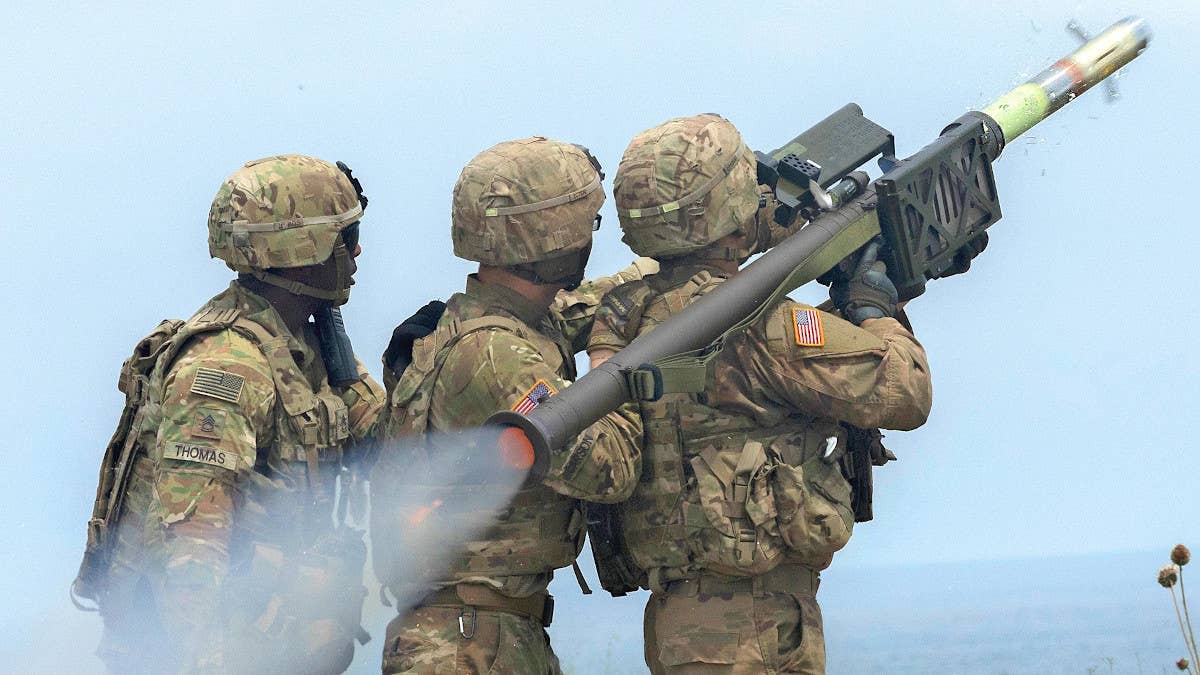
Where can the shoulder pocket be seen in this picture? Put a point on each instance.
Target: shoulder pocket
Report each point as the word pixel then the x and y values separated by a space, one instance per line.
pixel 837 336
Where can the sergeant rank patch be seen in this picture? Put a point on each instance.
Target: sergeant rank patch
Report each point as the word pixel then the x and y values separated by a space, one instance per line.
pixel 540 391
pixel 807 324
pixel 208 423
pixel 201 454
pixel 218 384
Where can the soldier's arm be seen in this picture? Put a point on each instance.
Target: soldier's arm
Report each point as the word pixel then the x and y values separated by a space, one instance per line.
pixel 576 309
pixel 496 370
pixel 364 401
pixel 820 364
pixel 218 400
pixel 607 336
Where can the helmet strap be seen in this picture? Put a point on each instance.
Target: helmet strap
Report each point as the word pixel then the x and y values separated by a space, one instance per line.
pixel 565 270
pixel 338 296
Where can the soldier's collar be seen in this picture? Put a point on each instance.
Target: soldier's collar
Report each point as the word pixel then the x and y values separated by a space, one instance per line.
pixel 256 308
pixel 506 299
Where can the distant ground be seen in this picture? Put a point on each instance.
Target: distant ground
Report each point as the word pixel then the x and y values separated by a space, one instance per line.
pixel 1044 616
pixel 1096 614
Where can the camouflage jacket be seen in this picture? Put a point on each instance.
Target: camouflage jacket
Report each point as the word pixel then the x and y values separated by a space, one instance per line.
pixel 745 475
pixel 249 444
pixel 521 351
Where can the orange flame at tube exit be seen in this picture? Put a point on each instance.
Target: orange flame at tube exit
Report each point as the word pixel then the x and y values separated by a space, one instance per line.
pixel 515 449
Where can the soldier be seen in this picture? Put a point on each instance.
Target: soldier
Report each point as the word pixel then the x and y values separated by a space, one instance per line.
pixel 244 417
pixel 524 210
pixel 742 499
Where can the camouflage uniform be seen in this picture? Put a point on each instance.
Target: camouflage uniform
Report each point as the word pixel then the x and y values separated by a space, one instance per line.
pixel 239 442
pixel 495 349
pixel 742 499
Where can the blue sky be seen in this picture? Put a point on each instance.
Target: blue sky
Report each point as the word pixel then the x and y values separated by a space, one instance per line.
pixel 1065 387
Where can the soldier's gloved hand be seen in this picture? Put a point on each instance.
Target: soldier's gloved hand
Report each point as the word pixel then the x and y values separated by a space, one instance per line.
pixel 868 293
pixel 964 256
pixel 424 321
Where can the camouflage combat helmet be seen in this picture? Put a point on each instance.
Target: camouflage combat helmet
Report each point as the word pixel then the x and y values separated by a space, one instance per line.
pixel 684 184
pixel 287 211
pixel 528 205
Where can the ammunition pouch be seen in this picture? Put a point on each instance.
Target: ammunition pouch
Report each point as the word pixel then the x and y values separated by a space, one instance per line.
pixel 813 502
pixel 733 512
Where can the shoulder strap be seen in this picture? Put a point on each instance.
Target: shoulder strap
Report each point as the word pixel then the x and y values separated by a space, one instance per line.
pixel 291 385
pixel 411 391
pixel 679 373
pixel 208 319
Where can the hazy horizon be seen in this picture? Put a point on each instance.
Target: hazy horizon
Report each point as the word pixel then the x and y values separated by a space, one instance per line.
pixel 1064 387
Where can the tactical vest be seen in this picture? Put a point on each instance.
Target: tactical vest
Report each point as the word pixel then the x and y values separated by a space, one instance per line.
pixel 290 550
pixel 539 531
pixel 722 491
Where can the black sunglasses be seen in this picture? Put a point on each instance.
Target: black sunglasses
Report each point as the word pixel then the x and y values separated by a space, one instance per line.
pixel 350 237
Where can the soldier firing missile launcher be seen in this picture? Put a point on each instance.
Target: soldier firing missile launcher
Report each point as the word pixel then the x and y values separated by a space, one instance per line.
pixel 928 208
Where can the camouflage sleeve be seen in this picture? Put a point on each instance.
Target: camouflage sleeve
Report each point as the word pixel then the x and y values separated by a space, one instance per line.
pixel 872 377
pixel 364 401
pixel 493 370
pixel 576 309
pixel 608 329
pixel 217 409
pixel 766 214
pixel 364 404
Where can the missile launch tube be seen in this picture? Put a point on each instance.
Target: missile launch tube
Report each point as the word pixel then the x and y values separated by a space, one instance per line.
pixel 802 257
pixel 817 247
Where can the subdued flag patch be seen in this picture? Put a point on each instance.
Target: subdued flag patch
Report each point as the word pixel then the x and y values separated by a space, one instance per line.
pixel 540 391
pixel 218 384
pixel 807 323
pixel 201 454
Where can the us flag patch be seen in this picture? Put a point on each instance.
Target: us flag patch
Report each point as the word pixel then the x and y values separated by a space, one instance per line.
pixel 807 323
pixel 218 384
pixel 540 391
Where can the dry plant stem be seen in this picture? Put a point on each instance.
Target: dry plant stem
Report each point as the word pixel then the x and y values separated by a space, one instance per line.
pixel 1191 636
pixel 1187 645
pixel 1179 617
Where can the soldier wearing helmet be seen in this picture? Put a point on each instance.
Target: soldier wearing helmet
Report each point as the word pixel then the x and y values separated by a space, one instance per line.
pixel 748 501
pixel 525 211
pixel 224 556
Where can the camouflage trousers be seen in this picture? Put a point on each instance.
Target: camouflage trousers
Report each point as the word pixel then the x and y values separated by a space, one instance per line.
pixel 696 628
pixel 429 641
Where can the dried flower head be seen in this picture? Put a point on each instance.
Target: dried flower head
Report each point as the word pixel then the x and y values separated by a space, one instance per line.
pixel 1182 664
pixel 1180 555
pixel 1168 575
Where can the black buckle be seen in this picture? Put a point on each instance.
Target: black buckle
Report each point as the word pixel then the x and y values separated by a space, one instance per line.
pixel 656 378
pixel 547 611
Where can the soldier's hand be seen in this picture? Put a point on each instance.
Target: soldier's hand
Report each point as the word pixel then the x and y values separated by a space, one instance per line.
pixel 964 256
pixel 868 293
pixel 423 322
